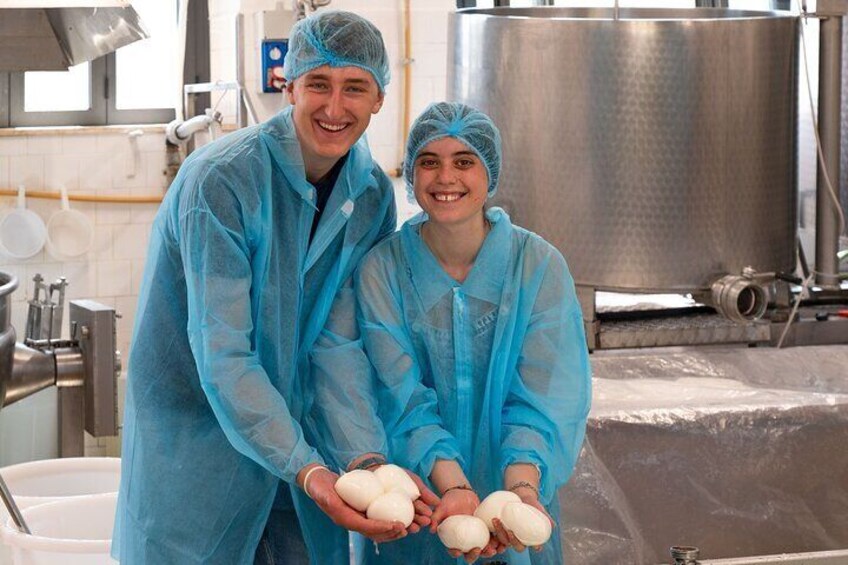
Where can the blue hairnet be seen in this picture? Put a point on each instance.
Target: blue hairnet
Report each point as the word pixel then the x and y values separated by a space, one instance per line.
pixel 337 39
pixel 454 119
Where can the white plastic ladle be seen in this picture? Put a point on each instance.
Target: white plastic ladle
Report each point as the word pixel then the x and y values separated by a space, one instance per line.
pixel 69 232
pixel 22 231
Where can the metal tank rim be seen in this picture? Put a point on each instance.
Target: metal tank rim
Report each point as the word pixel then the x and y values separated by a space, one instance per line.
pixel 625 14
pixel 8 284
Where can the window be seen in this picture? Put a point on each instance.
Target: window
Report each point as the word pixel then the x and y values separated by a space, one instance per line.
pixel 136 84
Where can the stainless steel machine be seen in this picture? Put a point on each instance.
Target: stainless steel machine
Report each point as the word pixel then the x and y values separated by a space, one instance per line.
pixel 84 368
pixel 657 149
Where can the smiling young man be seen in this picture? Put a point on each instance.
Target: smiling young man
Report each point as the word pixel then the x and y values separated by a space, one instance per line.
pixel 249 250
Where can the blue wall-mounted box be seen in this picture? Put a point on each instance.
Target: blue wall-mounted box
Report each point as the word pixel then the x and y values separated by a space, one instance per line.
pixel 273 53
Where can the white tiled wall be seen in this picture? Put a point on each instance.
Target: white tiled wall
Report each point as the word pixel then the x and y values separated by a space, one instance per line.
pixel 109 273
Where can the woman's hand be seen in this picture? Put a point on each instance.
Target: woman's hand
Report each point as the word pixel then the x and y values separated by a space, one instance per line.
pixel 505 537
pixel 459 501
pixel 423 505
pixel 454 501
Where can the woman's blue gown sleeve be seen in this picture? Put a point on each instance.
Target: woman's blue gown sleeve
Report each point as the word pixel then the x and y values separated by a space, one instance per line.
pixel 543 419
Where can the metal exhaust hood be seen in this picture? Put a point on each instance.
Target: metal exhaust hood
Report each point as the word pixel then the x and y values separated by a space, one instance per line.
pixel 52 35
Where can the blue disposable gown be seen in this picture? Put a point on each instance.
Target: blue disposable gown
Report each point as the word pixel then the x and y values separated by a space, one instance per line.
pixel 489 372
pixel 233 297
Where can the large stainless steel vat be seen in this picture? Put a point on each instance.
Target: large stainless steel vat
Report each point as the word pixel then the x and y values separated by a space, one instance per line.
pixel 656 151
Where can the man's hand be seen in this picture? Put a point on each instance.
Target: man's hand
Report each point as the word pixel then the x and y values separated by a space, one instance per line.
pixel 322 490
pixel 423 505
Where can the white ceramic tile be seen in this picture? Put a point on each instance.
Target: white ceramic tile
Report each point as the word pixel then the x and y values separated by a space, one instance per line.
pixel 43 145
pixel 19 316
pixel 440 87
pixel 143 213
pixel 109 213
pixel 95 172
pixel 95 451
pixel 130 241
pixel 82 279
pixel 430 60
pixel 154 169
pixel 422 96
pixel 126 305
pixel 113 278
pixel 12 146
pixel 127 168
pixel 87 208
pixel 386 156
pixel 385 127
pixel 151 141
pixel 79 144
pixel 27 170
pixel 49 271
pixel 29 429
pixel 430 26
pixel 44 207
pixel 110 143
pixel 101 247
pixel 137 275
pixel 389 24
pixel 61 170
pixel 4 171
pixel 433 5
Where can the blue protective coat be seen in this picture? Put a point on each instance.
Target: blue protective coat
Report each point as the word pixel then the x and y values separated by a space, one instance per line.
pixel 233 297
pixel 489 372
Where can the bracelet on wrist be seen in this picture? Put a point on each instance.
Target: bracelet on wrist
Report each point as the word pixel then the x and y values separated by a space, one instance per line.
pixel 369 462
pixel 524 484
pixel 457 487
pixel 309 474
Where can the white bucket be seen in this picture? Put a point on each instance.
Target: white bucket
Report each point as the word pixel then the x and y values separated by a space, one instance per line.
pixel 76 531
pixel 38 482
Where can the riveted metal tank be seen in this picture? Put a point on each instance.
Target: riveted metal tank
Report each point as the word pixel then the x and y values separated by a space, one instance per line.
pixel 657 150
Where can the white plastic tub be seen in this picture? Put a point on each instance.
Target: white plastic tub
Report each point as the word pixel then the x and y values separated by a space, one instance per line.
pixel 74 531
pixel 50 480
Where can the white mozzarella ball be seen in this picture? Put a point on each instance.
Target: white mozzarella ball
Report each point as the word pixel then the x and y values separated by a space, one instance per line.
pixel 463 533
pixel 395 478
pixel 392 506
pixel 493 504
pixel 359 488
pixel 529 525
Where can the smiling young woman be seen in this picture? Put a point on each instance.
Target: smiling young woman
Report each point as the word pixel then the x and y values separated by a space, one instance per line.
pixel 476 337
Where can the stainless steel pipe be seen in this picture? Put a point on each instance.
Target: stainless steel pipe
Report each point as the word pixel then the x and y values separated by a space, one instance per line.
pixel 829 124
pixel 738 298
pixel 33 370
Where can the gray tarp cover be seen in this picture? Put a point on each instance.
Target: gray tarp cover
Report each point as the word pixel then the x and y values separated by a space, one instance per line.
pixel 737 451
